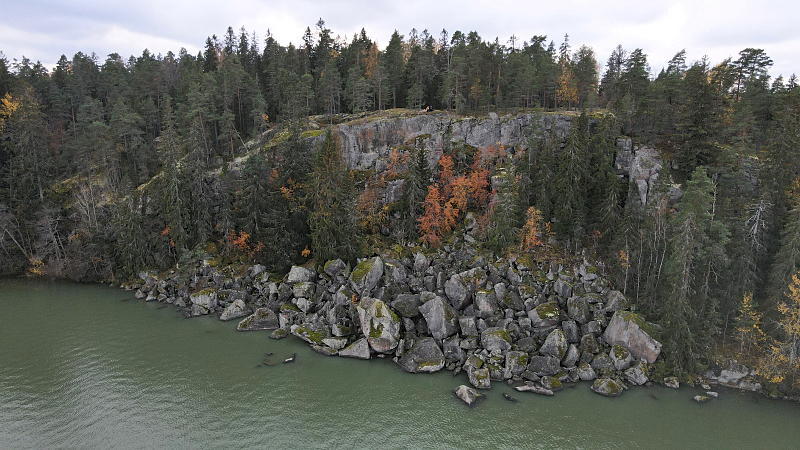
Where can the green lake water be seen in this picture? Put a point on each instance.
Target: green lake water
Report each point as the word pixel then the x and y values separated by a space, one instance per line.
pixel 89 367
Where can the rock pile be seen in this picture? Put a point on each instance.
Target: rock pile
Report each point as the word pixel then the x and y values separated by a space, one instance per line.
pixel 537 324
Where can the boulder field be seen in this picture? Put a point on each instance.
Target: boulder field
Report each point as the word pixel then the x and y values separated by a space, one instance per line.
pixel 531 324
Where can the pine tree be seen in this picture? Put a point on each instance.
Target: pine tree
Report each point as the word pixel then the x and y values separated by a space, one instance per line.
pixel 415 189
pixel 571 178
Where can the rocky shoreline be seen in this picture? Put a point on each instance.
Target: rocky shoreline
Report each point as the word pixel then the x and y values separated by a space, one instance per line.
pixel 533 325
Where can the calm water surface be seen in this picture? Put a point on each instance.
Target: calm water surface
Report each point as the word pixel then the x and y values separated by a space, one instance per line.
pixel 89 367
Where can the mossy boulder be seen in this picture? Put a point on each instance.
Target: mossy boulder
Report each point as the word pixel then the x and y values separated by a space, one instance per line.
pixel 516 362
pixel 207 298
pixel 495 338
pixel 261 319
pixel 367 274
pixel 616 301
pixel 555 345
pixel 308 334
pixel 299 274
pixel 607 387
pixel 544 315
pixel 379 324
pixel 440 317
pixel 578 310
pixel 424 356
pixel 278 334
pixel 637 373
pixel 621 357
pixel 544 365
pixel 480 378
pixel 626 330
pixel 334 267
pixel 586 372
pixel 562 288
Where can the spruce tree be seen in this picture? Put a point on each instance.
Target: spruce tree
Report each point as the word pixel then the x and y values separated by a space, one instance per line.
pixel 333 224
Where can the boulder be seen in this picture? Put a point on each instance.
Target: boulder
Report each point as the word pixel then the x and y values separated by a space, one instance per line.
pixel 616 301
pixel 299 274
pixel 578 310
pixel 304 289
pixel 555 345
pixel 458 292
pixel 495 338
pixel 467 394
pixel 544 365
pixel 468 327
pixel 407 305
pixel 552 384
pixel 607 387
pixel 626 330
pixel 358 349
pixel 207 298
pixel 485 303
pixel 234 311
pixel 379 324
pixel 278 334
pixel 420 264
pixel 701 399
pixel 516 362
pixel 572 356
pixel 424 356
pixel 479 378
pixel 636 373
pixel 586 373
pixel 571 331
pixel 366 275
pixel 335 343
pixel 621 357
pixel 544 315
pixel 672 382
pixel 308 334
pixel 452 350
pixel 333 268
pixel 562 288
pixel 532 387
pixel 440 317
pixel 261 319
pixel 732 373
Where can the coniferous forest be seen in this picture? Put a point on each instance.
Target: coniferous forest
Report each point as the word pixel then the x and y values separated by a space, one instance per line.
pixel 110 166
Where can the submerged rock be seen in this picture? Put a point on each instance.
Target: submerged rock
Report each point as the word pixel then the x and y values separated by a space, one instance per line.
pixel 280 333
pixel 607 387
pixel 261 319
pixel 358 349
pixel 467 394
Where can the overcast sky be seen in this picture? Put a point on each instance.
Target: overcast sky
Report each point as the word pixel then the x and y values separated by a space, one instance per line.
pixel 45 29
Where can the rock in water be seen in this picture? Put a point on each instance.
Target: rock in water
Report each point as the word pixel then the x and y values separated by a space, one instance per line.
pixel 479 378
pixel 467 394
pixel 261 319
pixel 290 359
pixel 509 398
pixel 280 333
pixel 626 330
pixel 637 373
pixel 379 324
pixel 607 387
pixel 234 310
pixel 701 399
pixel 358 349
pixel 531 387
pixel 424 356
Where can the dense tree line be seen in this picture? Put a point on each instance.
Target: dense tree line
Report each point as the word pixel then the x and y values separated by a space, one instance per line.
pixel 110 167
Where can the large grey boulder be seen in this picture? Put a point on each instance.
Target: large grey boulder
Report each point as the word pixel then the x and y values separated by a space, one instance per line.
pixel 495 338
pixel 407 305
pixel 555 345
pixel 366 275
pixel 424 356
pixel 485 302
pixel 379 324
pixel 626 330
pixel 457 291
pixel 578 310
pixel 235 310
pixel 621 357
pixel 544 315
pixel 307 333
pixel 299 274
pixel 516 362
pixel 607 387
pixel 544 365
pixel 333 268
pixel 207 298
pixel 261 319
pixel 616 301
pixel 467 394
pixel 636 373
pixel 358 349
pixel 480 378
pixel 586 373
pixel 562 288
pixel 441 318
